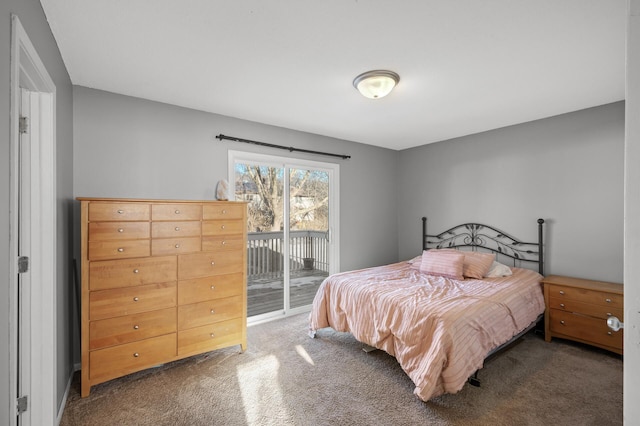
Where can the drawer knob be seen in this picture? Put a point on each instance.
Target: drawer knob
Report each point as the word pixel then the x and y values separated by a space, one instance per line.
pixel 120 249
pixel 213 335
pixel 120 211
pixel 222 227
pixel 562 305
pixel 213 263
pixel 224 212
pixel 562 292
pixel 177 211
pixel 177 228
pixel 213 287
pixel 136 354
pixel 135 327
pixel 177 245
pixel 224 243
pixel 135 271
pixel 213 312
pixel 135 299
pixel 562 322
pixel 609 333
pixel 120 230
pixel 607 300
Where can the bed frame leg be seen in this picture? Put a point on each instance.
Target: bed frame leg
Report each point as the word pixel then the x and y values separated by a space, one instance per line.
pixel 312 334
pixel 474 380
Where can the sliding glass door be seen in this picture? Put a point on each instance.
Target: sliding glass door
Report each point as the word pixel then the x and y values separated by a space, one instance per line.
pixel 292 229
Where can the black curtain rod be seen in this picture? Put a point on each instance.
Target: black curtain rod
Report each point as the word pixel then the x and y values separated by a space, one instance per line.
pixel 288 148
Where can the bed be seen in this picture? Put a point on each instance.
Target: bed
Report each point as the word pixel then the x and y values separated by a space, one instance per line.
pixel 440 327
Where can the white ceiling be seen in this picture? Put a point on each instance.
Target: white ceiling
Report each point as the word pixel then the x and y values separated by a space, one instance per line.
pixel 465 66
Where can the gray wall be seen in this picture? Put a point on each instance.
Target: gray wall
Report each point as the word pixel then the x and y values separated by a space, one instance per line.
pixel 129 147
pixel 566 169
pixel 33 19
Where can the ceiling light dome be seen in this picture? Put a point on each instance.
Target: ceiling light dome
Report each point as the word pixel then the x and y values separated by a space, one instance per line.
pixel 376 84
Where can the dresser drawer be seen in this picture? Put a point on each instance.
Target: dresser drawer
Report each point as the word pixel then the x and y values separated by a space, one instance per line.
pixel 208 312
pixel 108 231
pixel 120 360
pixel 210 337
pixel 209 288
pixel 116 211
pixel 126 273
pixel 165 246
pixel 230 242
pixel 586 295
pixel 208 263
pixel 103 250
pixel 130 328
pixel 584 328
pixel 222 227
pixel 175 229
pixel 224 211
pixel 176 212
pixel 598 311
pixel 126 301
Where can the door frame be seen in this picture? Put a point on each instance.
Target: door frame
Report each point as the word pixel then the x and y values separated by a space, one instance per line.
pixel 29 72
pixel 334 212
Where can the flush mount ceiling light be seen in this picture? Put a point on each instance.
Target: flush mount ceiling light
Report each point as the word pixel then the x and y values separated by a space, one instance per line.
pixel 376 84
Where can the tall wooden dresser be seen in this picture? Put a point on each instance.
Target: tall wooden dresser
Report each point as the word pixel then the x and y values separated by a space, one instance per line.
pixel 161 280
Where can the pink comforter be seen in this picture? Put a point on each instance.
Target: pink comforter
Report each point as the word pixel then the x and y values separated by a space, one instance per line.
pixel 439 329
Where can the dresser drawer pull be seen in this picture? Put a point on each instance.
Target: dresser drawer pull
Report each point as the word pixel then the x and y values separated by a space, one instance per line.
pixel 120 249
pixel 607 300
pixel 177 211
pixel 213 287
pixel 213 335
pixel 213 263
pixel 562 322
pixel 120 211
pixel 562 292
pixel 609 314
pixel 177 228
pixel 177 245
pixel 120 230
pixel 213 312
pixel 135 327
pixel 224 212
pixel 224 243
pixel 135 299
pixel 609 333
pixel 135 271
pixel 562 305
pixel 222 227
pixel 136 355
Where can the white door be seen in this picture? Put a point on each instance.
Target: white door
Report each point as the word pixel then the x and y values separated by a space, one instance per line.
pixel 33 320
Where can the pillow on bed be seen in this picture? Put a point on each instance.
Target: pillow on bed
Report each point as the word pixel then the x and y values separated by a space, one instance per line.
pixel 476 264
pixel 498 270
pixel 443 262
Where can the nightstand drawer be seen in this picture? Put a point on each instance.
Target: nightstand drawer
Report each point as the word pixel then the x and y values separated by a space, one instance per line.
pixel 583 328
pixel 598 311
pixel 586 295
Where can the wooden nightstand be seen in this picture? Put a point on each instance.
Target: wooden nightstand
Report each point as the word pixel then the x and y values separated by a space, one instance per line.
pixel 577 309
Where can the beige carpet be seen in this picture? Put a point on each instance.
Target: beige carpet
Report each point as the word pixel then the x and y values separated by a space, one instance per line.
pixel 287 378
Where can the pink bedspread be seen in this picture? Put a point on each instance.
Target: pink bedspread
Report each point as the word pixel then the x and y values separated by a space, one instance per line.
pixel 439 329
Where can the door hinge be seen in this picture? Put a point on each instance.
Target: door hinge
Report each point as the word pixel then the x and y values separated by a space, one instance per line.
pixel 23 125
pixel 23 264
pixel 22 404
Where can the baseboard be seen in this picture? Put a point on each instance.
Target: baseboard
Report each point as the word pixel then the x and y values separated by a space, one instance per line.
pixel 65 396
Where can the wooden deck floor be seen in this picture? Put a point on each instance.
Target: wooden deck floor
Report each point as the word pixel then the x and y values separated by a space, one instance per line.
pixel 267 294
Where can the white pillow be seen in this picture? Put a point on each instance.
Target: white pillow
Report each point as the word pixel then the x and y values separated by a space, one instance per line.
pixel 497 269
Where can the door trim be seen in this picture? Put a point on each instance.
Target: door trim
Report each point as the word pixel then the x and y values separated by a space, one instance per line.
pixel 28 71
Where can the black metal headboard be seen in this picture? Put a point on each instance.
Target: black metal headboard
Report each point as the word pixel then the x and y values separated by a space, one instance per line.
pixel 477 235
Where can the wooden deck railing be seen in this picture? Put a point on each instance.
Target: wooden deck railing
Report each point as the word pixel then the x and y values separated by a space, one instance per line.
pixel 265 252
